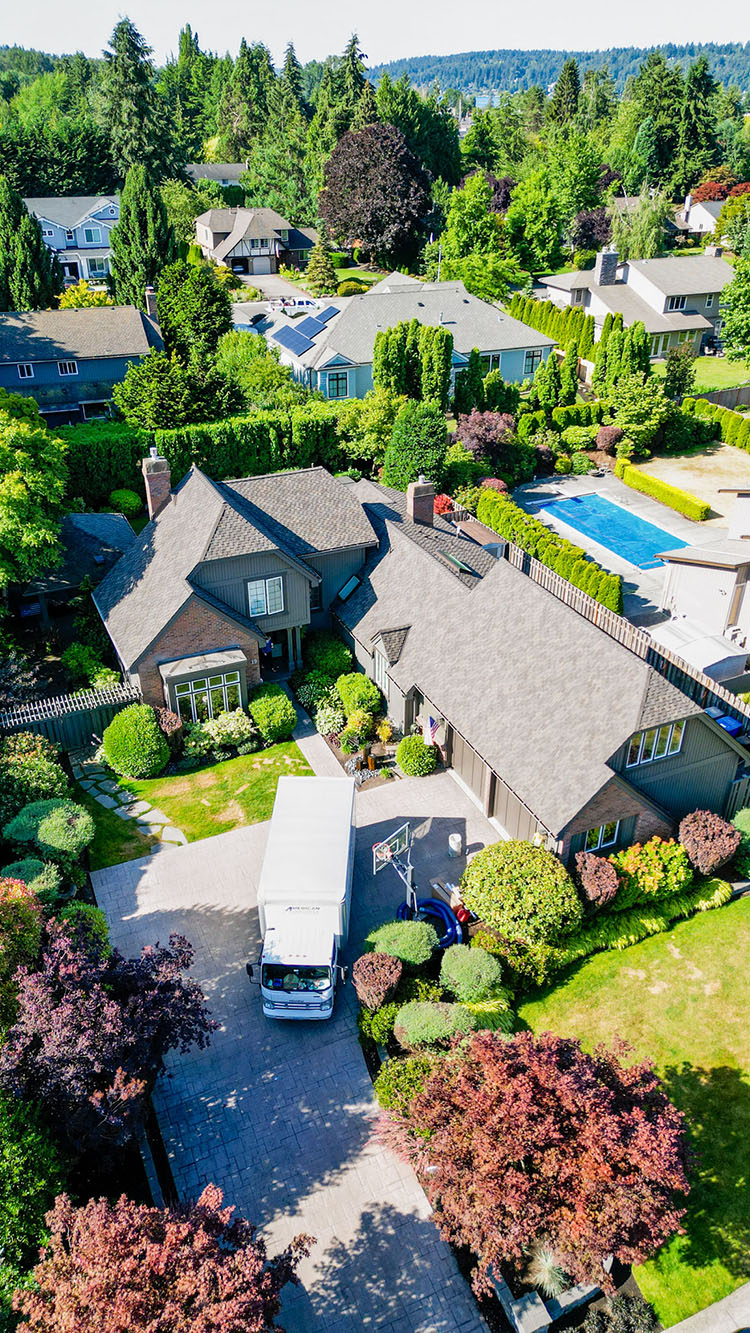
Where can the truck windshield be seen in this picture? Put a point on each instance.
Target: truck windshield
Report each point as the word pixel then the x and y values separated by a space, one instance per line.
pixel 277 976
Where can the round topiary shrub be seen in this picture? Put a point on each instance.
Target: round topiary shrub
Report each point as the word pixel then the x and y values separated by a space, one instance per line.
pixel 411 941
pixel 608 437
pixel 399 1081
pixel 522 891
pixel 358 691
pixel 563 465
pixel 273 713
pixel 60 830
pixel 134 745
pixel 376 977
pixel 469 974
pixel 426 1023
pixel 709 840
pixel 125 502
pixel 325 653
pixel 351 288
pixel 414 758
pixel 42 877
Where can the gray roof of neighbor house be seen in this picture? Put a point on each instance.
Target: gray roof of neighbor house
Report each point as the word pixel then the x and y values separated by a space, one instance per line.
pixel 49 335
pixel 215 171
pixel 296 513
pixel 473 323
pixel 686 275
pixel 68 210
pixel 89 544
pixel 618 296
pixel 504 661
pixel 239 224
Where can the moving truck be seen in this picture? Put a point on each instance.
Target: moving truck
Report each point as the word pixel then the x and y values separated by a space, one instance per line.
pixel 304 896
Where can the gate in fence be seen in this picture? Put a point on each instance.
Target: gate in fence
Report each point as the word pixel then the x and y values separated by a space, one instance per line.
pixel 71 719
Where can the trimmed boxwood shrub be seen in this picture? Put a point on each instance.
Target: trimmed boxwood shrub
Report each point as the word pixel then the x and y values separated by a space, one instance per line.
pixel 415 758
pixel 709 840
pixel 411 941
pixel 652 870
pixel 42 877
pixel 399 1081
pixel 134 745
pixel 522 891
pixel 273 713
pixel 469 974
pixel 325 653
pixel 60 830
pixel 681 501
pixel 376 977
pixel 125 502
pixel 358 691
pixel 429 1023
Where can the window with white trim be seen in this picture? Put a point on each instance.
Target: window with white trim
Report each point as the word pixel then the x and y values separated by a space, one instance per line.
pixel 67 368
pixel 70 234
pixel 656 743
pixel 676 303
pixel 380 667
pixel 338 384
pixel 531 360
pixel 48 231
pixel 98 268
pixel 604 836
pixel 92 235
pixel 197 700
pixel 710 301
pixel 266 596
pixel 25 370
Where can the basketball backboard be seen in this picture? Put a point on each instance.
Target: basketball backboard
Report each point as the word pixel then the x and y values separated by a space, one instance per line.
pixel 392 848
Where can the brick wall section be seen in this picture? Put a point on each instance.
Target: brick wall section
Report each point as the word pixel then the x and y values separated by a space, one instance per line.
pixel 616 801
pixel 649 825
pixel 198 629
pixel 157 480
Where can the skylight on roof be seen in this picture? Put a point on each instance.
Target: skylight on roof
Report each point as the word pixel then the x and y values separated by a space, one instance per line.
pixel 459 564
pixel 348 589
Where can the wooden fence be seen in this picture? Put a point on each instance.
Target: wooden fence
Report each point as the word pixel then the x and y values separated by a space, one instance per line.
pixel 71 719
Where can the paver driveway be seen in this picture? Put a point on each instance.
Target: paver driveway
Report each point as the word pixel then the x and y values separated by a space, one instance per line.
pixel 280 1114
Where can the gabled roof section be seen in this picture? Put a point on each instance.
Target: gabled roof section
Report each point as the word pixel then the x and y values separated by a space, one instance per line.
pixel 391 641
pixel 82 335
pixel 459 556
pixel 304 512
pixel 663 702
pixel 69 211
pixel 685 275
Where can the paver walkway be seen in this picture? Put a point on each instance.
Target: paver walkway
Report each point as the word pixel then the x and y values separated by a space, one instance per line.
pixel 96 780
pixel 281 1115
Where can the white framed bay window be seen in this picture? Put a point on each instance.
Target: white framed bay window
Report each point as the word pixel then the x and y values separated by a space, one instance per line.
pixel 266 596
pixel 198 700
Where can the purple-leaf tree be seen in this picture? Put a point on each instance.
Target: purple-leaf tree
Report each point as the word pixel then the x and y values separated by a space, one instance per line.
pixel 92 1031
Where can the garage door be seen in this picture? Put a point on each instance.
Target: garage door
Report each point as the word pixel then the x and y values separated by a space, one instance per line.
pixel 262 266
pixel 470 768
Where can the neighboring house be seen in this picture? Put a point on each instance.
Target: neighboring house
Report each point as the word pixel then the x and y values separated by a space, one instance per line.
pixel 77 228
pixel 252 240
pixel 332 349
pixel 698 219
pixel 564 723
pixel 89 545
pixel 216 590
pixel 677 298
pixel 69 360
pixel 223 173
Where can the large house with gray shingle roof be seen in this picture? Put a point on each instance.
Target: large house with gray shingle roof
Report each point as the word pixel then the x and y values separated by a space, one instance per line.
pixel 252 240
pixel 557 728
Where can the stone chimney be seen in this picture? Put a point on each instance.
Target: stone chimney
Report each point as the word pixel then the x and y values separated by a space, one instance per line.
pixel 420 501
pixel 605 268
pixel 158 482
pixel 150 296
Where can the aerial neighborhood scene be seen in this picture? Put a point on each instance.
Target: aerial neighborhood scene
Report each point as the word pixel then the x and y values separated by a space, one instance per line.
pixel 374 669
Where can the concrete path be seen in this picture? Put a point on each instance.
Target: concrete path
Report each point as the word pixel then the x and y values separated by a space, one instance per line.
pixel 732 1315
pixel 281 1115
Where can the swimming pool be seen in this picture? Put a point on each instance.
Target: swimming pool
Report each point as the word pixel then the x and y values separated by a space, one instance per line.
pixel 627 535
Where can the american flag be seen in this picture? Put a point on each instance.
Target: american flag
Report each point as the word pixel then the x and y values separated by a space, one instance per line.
pixel 432 727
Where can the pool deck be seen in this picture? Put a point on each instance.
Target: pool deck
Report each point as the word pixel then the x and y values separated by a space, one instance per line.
pixel 642 587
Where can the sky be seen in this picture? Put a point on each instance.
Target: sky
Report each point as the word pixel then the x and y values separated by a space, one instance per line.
pixel 388 30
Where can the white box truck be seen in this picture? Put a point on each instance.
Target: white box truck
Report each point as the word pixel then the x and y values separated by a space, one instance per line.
pixel 304 896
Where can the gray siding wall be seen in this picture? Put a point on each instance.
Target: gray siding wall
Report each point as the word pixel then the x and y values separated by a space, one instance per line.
pixel 698 778
pixel 228 580
pixel 336 567
pixel 396 703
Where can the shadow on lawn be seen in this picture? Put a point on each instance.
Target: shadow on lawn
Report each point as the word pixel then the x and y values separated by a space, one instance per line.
pixel 716 1103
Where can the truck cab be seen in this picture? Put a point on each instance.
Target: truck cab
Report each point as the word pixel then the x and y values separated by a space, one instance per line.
pixel 298 967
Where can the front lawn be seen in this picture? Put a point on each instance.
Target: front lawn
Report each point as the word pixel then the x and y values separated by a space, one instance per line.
pixel 681 999
pixel 116 840
pixel 712 373
pixel 222 796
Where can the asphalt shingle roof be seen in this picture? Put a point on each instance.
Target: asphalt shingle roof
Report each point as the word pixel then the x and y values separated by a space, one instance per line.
pixel 618 296
pixel 90 544
pixel 304 511
pixel 51 335
pixel 686 275
pixel 69 210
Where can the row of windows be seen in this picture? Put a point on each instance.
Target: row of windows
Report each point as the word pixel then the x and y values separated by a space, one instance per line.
pixel 26 369
pixel 679 302
pixel 656 743
pixel 200 699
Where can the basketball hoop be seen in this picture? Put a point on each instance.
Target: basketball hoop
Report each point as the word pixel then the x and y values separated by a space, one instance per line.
pixel 382 852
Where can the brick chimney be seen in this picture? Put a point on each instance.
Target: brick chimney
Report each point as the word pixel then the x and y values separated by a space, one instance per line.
pixel 605 267
pixel 420 501
pixel 150 303
pixel 158 482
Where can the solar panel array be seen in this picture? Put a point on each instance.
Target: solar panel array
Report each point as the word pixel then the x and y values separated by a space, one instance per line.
pixel 324 315
pixel 310 326
pixel 294 341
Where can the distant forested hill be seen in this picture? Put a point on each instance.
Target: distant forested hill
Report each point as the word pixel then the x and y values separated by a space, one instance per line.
pixel 509 71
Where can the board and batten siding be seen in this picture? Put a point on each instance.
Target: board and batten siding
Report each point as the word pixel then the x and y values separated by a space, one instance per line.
pixel 698 778
pixel 228 579
pixel 336 568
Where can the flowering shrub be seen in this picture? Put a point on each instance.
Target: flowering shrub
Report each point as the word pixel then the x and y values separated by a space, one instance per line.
pixel 411 941
pixel 197 744
pixel 42 877
pixel 709 840
pixel 415 758
pixel 469 974
pixel 652 870
pixel 133 743
pixel 522 891
pixel 329 717
pixel 358 691
pixel 427 1023
pixel 443 504
pixel 231 730
pixel 376 977
pixel 325 652
pixel 598 879
pixel 273 713
pixel 60 830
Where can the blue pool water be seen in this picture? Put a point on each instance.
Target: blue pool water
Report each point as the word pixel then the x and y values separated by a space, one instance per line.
pixel 629 536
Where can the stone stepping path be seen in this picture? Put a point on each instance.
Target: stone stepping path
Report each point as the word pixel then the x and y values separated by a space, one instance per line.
pixel 96 780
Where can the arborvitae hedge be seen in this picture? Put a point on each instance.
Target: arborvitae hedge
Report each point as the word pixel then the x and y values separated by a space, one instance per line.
pixel 731 427
pixel 568 325
pixel 557 553
pixel 681 501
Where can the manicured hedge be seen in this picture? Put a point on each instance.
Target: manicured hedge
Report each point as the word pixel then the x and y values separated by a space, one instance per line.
pixel 557 553
pixel 681 501
pixel 730 427
pixel 521 891
pixel 577 414
pixel 411 941
pixel 429 1023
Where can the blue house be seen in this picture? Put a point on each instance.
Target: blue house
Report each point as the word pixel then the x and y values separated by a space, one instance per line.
pixel 77 228
pixel 331 349
pixel 69 360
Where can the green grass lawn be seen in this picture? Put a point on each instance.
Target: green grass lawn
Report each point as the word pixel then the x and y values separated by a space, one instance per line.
pixel 713 372
pixel 116 839
pixel 682 1000
pixel 216 799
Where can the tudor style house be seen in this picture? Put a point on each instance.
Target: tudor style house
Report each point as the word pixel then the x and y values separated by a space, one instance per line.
pixel 332 350
pixel 77 228
pixel 253 240
pixel 565 724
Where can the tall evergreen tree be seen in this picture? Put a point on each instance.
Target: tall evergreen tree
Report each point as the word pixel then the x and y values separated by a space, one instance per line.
pixel 243 109
pixel 367 108
pixel 142 241
pixel 320 275
pixel 291 76
pixel 352 76
pixel 276 174
pixel 128 105
pixel 30 275
pixel 564 105
pixel 697 142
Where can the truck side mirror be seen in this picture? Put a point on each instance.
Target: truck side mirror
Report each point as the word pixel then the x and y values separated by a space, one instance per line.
pixel 250 972
pixel 344 974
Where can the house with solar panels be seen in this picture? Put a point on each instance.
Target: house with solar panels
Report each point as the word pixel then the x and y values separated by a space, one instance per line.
pixel 331 349
pixel 253 240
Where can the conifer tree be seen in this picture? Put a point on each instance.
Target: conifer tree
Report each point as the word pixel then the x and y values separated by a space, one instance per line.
pixel 615 348
pixel 320 275
pixel 30 275
pixel 569 376
pixel 567 92
pixel 128 104
pixel 587 337
pixel 291 76
pixel 436 352
pixel 366 112
pixel 142 241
